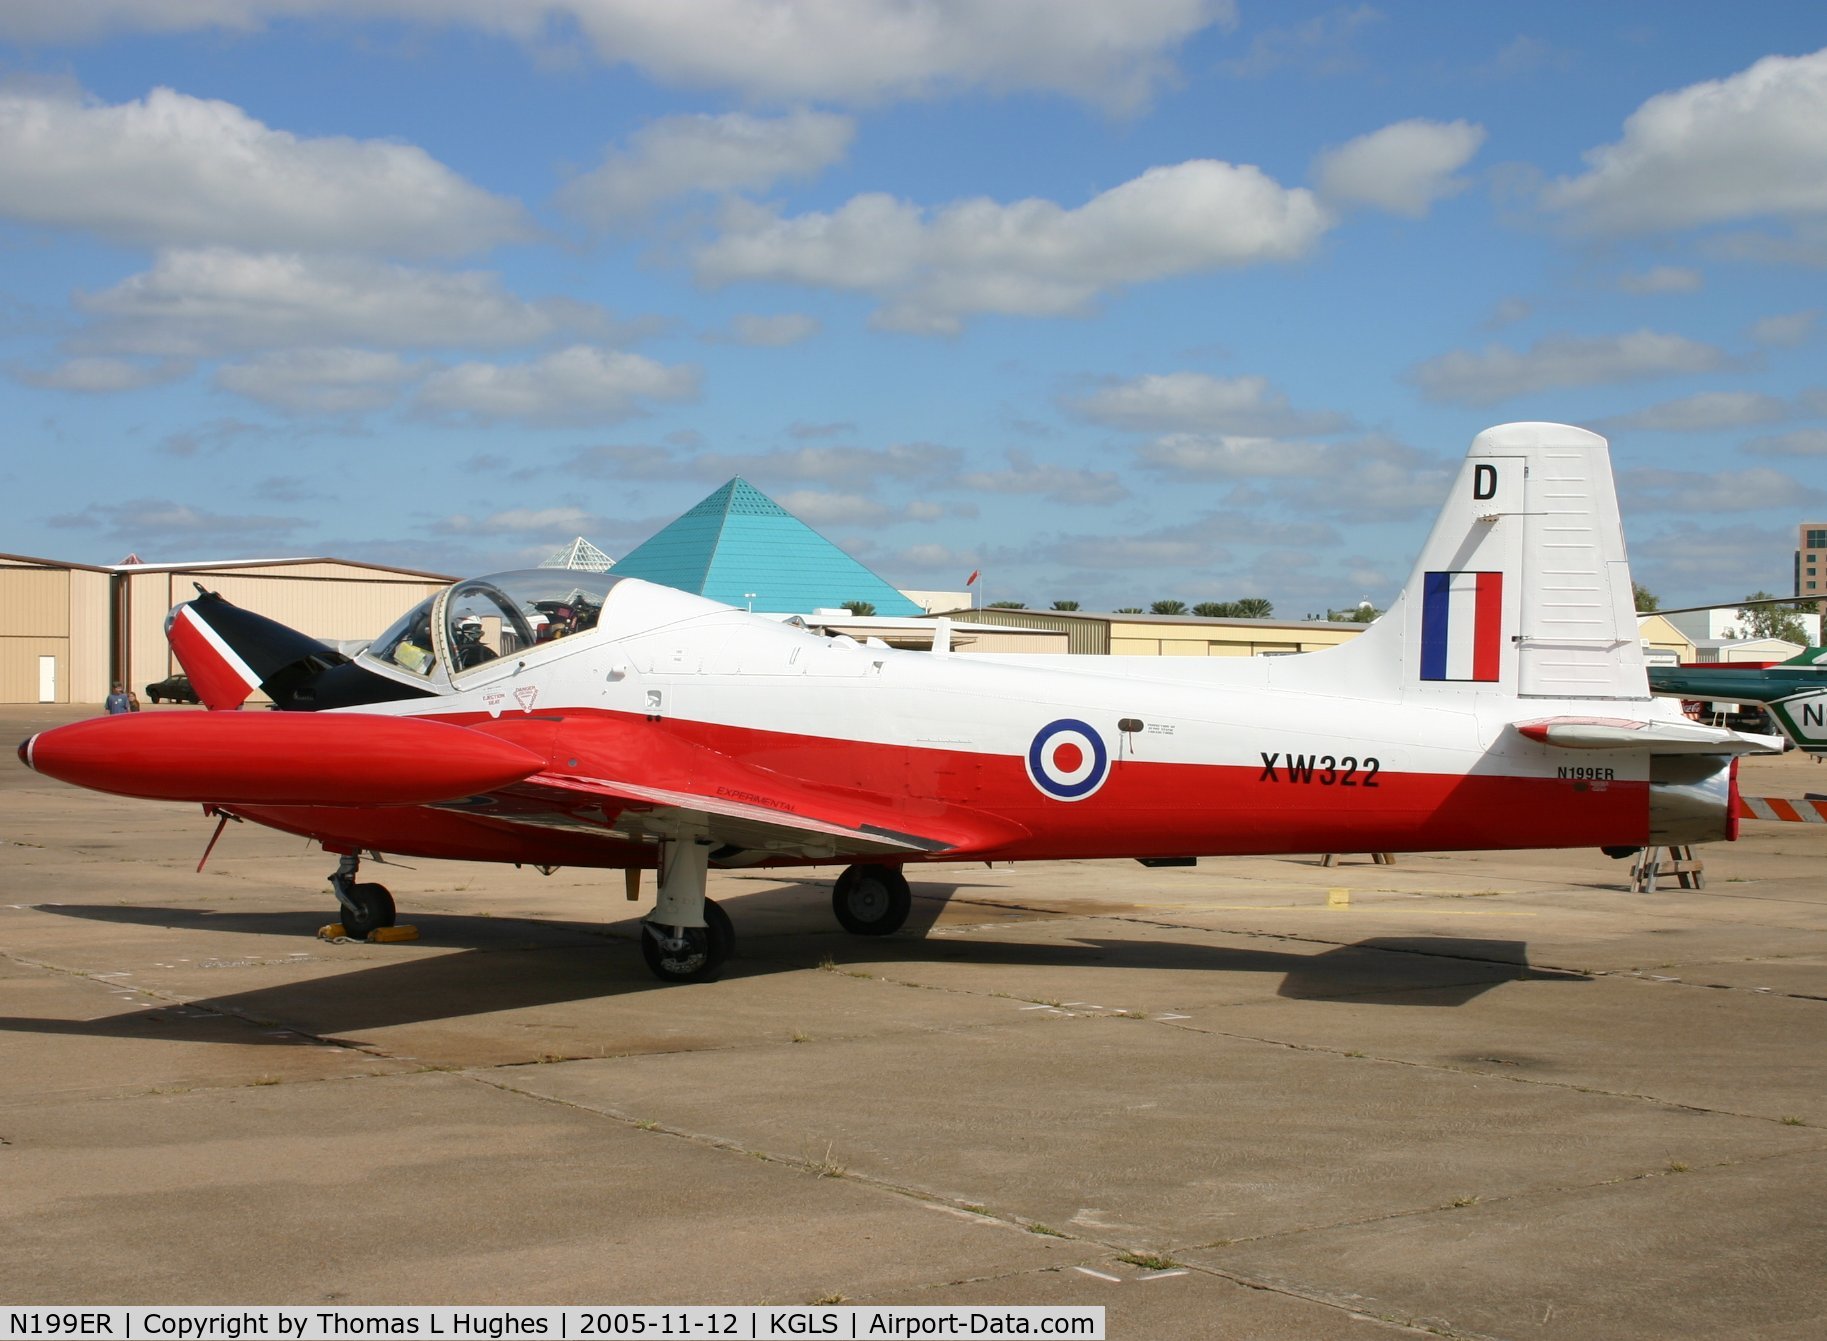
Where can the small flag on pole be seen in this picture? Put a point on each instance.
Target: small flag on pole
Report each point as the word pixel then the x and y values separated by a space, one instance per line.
pixel 972 578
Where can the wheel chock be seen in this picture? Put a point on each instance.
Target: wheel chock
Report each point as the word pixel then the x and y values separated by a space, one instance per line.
pixel 379 936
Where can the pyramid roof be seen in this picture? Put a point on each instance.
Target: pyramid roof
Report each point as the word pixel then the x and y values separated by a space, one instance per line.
pixel 580 553
pixel 739 542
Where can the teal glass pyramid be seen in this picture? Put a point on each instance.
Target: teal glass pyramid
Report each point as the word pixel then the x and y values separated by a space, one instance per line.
pixel 739 541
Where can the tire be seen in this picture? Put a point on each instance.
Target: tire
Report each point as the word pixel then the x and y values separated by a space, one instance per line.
pixel 871 900
pixel 375 910
pixel 703 955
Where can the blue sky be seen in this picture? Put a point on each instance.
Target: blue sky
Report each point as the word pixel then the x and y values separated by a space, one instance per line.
pixel 1116 303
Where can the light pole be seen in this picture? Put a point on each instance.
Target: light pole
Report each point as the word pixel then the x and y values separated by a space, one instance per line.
pixel 749 596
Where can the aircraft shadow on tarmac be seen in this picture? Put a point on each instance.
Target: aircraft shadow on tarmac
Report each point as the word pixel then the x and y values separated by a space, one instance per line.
pixel 514 963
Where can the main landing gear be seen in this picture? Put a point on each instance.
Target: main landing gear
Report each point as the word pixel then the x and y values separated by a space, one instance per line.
pixel 366 906
pixel 688 937
pixel 871 900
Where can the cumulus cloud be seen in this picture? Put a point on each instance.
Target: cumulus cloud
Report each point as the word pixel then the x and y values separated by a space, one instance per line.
pixel 172 170
pixel 692 154
pixel 219 301
pixel 1662 279
pixel 1403 168
pixel 519 521
pixel 1709 493
pixel 1787 329
pixel 1030 258
pixel 1049 480
pixel 100 376
pixel 1707 412
pixel 579 385
pixel 151 525
pixel 772 332
pixel 1498 373
pixel 320 381
pixel 780 50
pixel 823 507
pixel 1370 477
pixel 1197 402
pixel 1726 149
pixel 1799 442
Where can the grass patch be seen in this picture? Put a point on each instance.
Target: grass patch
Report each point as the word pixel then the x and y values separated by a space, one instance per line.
pixel 1152 1261
pixel 1046 1231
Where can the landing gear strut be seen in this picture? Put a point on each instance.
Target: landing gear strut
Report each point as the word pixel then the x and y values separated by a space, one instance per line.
pixel 366 906
pixel 871 900
pixel 688 937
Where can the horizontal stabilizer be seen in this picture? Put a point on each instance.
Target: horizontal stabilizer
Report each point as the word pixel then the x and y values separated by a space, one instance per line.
pixel 278 758
pixel 1620 733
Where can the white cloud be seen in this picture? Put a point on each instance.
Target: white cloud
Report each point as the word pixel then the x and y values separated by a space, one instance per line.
pixel 1365 478
pixel 1707 412
pixel 1059 484
pixel 688 154
pixel 218 301
pixel 775 331
pixel 519 521
pixel 172 170
pixel 1786 330
pixel 579 385
pixel 101 376
pixel 1716 151
pixel 821 507
pixel 320 381
pixel 781 50
pixel 1030 258
pixel 1799 442
pixel 1662 279
pixel 1201 403
pixel 1403 168
pixel 1498 373
pixel 1708 494
pixel 151 525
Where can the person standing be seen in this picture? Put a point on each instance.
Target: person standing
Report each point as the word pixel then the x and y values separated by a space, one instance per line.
pixel 117 701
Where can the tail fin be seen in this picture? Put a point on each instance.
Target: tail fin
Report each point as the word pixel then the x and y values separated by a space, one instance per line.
pixel 229 652
pixel 1522 589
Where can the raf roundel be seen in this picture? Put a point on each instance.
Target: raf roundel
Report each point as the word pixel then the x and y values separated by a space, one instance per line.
pixel 1067 760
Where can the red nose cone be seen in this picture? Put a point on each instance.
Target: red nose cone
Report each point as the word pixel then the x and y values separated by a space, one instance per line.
pixel 278 758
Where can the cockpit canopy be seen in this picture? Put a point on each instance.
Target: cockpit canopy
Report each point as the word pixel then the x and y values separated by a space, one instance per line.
pixel 484 618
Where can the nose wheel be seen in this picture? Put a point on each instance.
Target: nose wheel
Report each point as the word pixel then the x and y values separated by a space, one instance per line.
pixel 364 905
pixel 871 900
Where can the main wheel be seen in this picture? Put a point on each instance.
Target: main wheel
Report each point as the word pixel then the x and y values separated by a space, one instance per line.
pixel 689 954
pixel 871 900
pixel 374 910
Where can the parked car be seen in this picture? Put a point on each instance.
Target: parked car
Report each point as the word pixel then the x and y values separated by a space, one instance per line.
pixel 172 689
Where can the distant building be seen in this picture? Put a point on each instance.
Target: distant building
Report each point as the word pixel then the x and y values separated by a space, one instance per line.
pixel 582 555
pixel 1811 561
pixel 740 547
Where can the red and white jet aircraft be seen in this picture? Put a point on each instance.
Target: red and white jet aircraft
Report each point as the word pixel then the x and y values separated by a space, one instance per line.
pixel 550 717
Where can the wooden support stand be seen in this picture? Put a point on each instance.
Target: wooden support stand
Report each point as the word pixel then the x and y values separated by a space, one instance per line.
pixel 1376 858
pixel 1653 862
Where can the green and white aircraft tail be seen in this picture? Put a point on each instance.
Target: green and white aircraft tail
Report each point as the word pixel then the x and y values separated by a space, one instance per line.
pixel 1794 692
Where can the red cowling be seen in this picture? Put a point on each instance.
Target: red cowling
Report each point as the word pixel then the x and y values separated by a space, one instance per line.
pixel 278 758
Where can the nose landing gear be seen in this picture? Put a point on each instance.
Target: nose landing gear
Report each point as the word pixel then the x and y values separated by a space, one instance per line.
pixel 366 906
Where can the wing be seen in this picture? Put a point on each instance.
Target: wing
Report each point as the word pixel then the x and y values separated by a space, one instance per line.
pixel 641 782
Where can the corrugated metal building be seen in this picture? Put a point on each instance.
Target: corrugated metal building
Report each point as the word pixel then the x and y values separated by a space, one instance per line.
pixel 67 629
pixel 1172 635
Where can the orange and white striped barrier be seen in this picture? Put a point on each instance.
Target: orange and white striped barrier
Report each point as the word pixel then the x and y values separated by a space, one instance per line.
pixel 1809 811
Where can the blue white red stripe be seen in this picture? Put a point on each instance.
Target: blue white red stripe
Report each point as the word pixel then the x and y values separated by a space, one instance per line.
pixel 1461 626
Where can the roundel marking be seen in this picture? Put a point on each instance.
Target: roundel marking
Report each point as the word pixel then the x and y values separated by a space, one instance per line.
pixel 1067 760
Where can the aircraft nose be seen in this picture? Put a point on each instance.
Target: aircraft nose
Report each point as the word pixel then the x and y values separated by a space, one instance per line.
pixel 25 751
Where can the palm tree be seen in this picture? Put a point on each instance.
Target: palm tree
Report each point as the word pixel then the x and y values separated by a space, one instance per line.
pixel 1127 610
pixel 1006 605
pixel 1065 605
pixel 861 609
pixel 1216 609
pixel 1168 608
pixel 1255 607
